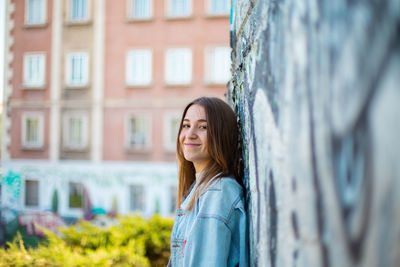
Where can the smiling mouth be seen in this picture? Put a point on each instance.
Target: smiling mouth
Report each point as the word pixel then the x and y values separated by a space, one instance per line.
pixel 192 145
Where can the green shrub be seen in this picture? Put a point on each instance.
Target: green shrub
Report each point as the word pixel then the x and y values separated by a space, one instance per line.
pixel 13 227
pixel 134 241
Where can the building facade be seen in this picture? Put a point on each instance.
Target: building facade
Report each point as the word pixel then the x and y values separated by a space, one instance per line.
pixel 92 98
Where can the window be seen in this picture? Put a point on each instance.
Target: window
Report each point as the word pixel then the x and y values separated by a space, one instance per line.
pixel 171 127
pixel 139 132
pixel 35 12
pixel 138 67
pixel 140 9
pixel 34 70
pixel 136 202
pixel 179 8
pixel 178 66
pixel 75 195
pixel 78 10
pixel 173 194
pixel 77 69
pixel 75 131
pixel 31 193
pixel 219 7
pixel 217 67
pixel 32 130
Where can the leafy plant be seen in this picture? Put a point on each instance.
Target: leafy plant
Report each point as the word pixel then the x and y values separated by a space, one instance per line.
pixel 134 241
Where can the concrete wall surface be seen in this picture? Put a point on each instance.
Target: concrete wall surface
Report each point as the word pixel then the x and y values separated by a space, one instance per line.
pixel 316 85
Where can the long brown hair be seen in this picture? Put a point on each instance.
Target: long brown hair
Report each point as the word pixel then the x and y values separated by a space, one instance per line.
pixel 223 146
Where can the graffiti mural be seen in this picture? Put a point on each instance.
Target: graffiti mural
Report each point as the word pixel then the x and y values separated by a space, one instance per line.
pixel 81 190
pixel 315 85
pixel 11 183
pixel 36 222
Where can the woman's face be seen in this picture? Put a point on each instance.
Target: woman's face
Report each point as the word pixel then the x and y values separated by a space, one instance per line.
pixel 193 137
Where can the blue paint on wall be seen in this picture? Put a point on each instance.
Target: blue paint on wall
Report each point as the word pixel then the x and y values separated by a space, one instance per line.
pixel 12 184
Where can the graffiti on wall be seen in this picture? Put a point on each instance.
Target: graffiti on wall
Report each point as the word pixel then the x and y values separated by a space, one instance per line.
pixel 36 222
pixel 11 182
pixel 83 190
pixel 315 87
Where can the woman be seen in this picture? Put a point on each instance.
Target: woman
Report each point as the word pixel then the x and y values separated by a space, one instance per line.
pixel 210 227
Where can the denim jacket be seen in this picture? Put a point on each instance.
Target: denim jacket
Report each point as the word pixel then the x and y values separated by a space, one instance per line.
pixel 214 232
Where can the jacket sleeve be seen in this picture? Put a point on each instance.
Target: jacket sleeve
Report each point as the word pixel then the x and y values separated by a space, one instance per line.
pixel 209 243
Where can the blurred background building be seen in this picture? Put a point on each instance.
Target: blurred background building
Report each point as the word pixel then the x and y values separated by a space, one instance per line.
pixel 92 98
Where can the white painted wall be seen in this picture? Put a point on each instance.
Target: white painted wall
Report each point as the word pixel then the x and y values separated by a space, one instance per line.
pixel 102 180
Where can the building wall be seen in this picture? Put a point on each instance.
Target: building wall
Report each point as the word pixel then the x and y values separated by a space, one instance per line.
pixel 77 37
pixel 58 36
pixel 18 151
pixel 27 39
pixel 107 186
pixel 316 89
pixel 106 101
pixel 158 34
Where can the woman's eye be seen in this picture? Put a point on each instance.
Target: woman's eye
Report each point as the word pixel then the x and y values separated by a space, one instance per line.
pixel 203 127
pixel 185 126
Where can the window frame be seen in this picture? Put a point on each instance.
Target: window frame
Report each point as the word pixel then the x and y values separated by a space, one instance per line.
pixel 169 15
pixel 210 74
pixel 167 138
pixel 42 72
pixel 85 130
pixel 29 115
pixel 172 81
pixel 85 69
pixel 211 13
pixel 148 134
pixel 43 22
pixel 130 11
pixel 25 204
pixel 143 200
pixel 129 80
pixel 69 195
pixel 173 198
pixel 85 19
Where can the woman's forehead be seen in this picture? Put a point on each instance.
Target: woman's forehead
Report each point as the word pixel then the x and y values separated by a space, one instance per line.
pixel 195 113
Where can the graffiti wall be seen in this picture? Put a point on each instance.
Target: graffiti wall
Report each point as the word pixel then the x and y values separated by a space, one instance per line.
pixel 36 222
pixel 74 188
pixel 316 85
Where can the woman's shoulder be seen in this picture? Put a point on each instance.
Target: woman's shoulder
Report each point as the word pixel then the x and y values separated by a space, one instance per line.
pixel 226 185
pixel 221 197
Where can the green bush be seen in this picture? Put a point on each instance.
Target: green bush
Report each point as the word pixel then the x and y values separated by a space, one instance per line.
pixel 13 227
pixel 134 241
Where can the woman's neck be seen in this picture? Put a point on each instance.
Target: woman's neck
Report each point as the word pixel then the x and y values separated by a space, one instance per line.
pixel 198 176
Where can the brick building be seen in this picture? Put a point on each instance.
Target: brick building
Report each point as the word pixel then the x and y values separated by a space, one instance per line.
pixel 93 94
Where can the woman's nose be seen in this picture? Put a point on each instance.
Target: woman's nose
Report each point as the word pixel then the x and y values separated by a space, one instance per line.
pixel 192 132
